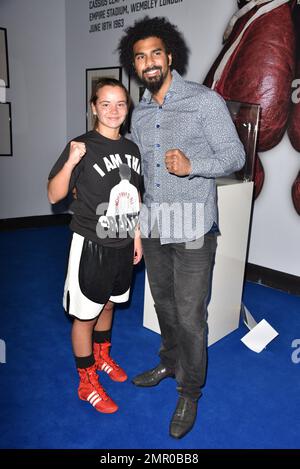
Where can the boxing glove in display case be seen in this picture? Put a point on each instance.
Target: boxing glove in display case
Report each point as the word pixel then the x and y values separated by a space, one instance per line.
pixel 235 195
pixel 246 118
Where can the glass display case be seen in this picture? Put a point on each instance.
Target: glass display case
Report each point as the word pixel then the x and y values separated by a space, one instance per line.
pixel 246 119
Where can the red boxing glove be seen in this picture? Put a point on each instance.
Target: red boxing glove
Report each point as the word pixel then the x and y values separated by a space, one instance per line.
pixel 257 65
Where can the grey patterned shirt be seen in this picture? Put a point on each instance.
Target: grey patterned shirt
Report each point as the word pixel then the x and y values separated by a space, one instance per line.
pixel 194 119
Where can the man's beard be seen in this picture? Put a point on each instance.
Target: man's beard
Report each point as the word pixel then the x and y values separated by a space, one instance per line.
pixel 155 83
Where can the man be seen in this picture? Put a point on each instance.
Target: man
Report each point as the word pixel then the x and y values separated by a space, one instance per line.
pixel 187 139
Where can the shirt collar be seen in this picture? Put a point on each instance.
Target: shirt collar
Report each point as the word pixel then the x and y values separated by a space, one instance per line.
pixel 176 86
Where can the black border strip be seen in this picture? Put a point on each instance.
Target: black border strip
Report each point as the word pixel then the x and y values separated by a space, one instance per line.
pixel 140 457
pixel 34 222
pixel 273 278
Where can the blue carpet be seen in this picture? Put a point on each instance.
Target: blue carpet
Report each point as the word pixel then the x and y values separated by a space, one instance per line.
pixel 250 400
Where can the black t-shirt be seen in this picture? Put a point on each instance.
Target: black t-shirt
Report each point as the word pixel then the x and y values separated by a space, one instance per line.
pixel 107 181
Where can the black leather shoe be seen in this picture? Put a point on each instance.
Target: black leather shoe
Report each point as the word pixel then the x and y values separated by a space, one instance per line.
pixel 184 417
pixel 153 377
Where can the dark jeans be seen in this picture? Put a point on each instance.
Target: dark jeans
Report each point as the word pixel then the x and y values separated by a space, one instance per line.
pixel 180 281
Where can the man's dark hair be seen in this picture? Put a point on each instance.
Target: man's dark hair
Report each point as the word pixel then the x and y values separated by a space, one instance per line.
pixel 154 27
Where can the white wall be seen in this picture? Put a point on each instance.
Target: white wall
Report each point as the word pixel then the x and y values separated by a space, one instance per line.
pixel 201 21
pixel 37 66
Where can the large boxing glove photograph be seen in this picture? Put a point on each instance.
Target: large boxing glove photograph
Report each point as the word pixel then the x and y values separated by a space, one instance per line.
pixel 257 64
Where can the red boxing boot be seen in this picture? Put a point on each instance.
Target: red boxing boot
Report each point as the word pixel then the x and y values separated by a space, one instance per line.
pixel 105 363
pixel 91 390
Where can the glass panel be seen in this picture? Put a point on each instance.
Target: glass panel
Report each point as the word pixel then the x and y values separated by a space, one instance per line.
pixel 246 119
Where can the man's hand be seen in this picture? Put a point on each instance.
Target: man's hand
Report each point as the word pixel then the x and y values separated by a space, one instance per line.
pixel 177 163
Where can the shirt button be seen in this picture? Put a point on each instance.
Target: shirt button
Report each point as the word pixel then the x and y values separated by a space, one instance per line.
pixel 157 185
pixel 157 145
pixel 158 165
pixel 157 126
pixel 160 107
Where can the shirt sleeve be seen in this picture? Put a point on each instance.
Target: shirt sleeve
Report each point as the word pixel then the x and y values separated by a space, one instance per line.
pixel 59 165
pixel 138 176
pixel 134 138
pixel 227 153
pixel 140 187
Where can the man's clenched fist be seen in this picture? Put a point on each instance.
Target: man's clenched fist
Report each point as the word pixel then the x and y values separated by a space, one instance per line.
pixel 177 163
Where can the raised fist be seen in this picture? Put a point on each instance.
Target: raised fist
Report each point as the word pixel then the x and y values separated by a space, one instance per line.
pixel 77 151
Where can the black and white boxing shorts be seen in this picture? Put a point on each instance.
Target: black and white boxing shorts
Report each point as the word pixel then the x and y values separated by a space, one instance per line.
pixel 95 275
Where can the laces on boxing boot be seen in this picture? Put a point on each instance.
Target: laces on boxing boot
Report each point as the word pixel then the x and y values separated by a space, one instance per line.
pixel 105 363
pixel 92 391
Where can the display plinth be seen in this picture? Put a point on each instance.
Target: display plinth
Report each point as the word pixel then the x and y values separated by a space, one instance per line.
pixel 234 204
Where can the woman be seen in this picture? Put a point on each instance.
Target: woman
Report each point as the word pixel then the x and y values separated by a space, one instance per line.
pixel 104 245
